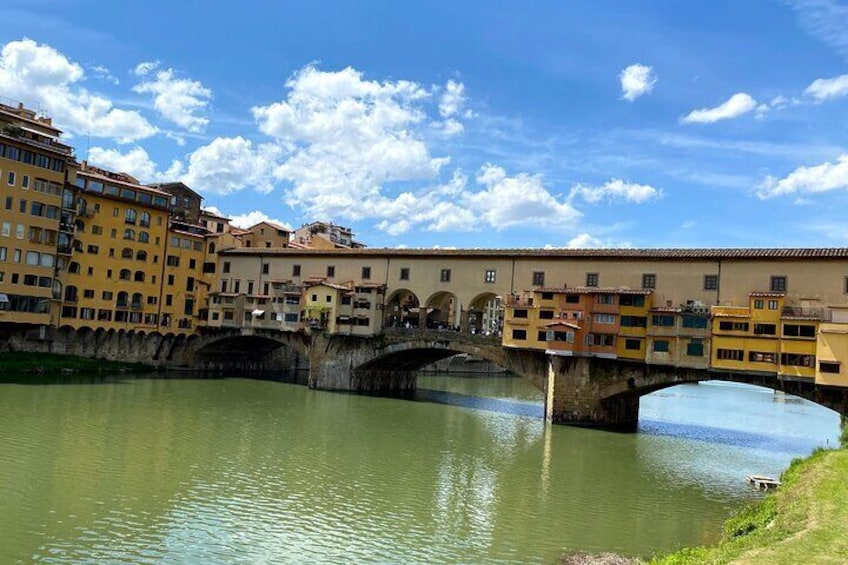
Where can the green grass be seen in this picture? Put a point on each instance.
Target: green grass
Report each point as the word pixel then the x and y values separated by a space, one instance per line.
pixel 18 362
pixel 804 521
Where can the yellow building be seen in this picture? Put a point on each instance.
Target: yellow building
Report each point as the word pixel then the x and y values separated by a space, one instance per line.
pixel 832 351
pixel 36 219
pixel 633 325
pixel 184 289
pixel 114 277
pixel 679 336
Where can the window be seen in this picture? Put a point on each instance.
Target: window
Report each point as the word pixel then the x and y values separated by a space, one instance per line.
pixel 778 283
pixel 758 304
pixel 605 299
pixel 733 326
pixel 249 286
pixel 632 344
pixel 107 295
pixel 130 216
pixel 699 322
pixel 11 178
pixel 25 182
pixel 9 202
pixel 295 270
pixel 662 320
pixel 572 298
pixel 762 357
pixel 174 261
pixel 829 366
pixel 730 354
pixel 331 271
pixel 799 330
pixel 772 304
pixel 649 280
pixel 797 360
pixel 139 276
pixel 6 229
pixel 170 280
pixel 695 348
pixel 490 276
pixel 226 266
pixel 604 318
pixel 710 282
pixel 538 278
pixel 329 298
pixel 169 300
pixel 765 329
pixel 141 255
pixel 129 234
pixel 634 321
pixel 632 300
pixel 404 275
pixel 124 275
pixel 19 231
pixel 519 335
pixel 445 275
pixel 366 273
pixel 519 313
pixel 661 346
pixel 546 314
pixel 265 268
pixel 126 253
pixel 592 279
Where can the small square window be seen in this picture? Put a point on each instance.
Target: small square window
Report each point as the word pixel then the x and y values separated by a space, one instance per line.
pixel 758 304
pixel 778 283
pixel 592 279
pixel 710 282
pixel 445 275
pixel 404 274
pixel 649 280
pixel 538 278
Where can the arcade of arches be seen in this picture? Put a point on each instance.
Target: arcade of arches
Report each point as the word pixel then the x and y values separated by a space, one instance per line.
pixel 484 315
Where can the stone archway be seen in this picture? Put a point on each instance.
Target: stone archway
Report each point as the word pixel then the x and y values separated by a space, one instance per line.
pixel 442 311
pixel 402 310
pixel 484 315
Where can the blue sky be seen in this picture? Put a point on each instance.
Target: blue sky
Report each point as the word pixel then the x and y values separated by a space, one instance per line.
pixel 463 124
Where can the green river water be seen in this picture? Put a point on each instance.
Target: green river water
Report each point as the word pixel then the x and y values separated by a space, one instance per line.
pixel 208 471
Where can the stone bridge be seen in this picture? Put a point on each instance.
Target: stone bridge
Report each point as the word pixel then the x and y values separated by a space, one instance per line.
pixel 578 390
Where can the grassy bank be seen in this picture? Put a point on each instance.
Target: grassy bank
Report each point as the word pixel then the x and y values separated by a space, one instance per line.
pixel 47 363
pixel 804 521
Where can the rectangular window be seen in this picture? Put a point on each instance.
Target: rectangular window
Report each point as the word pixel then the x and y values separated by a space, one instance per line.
pixel 174 261
pixel 11 178
pixel 572 298
pixel 226 266
pixel 592 279
pixel 404 273
pixel 519 313
pixel 538 278
pixel 265 268
pixel 661 346
pixel 695 348
pixel 649 280
pixel 632 300
pixel 634 321
pixel 25 182
pixel 730 354
pixel 445 275
pixel 758 304
pixel 546 314
pixel 6 229
pixel 773 304
pixel 331 271
pixel 662 320
pixel 605 299
pixel 632 344
pixel 698 322
pixel 604 318
pixel 366 273
pixel 762 357
pixel 733 326
pixel 710 282
pixel 778 284
pixel 490 276
pixel 295 270
pixel 799 330
pixel 520 335
pixel 797 360
pixel 765 329
pixel 829 366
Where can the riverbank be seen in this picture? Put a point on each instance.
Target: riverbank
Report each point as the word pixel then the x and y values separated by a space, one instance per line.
pixel 802 522
pixel 46 363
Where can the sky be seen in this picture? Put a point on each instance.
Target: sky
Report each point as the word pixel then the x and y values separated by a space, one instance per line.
pixel 469 124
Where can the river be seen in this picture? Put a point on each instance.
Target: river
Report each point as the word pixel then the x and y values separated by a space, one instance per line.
pixel 207 471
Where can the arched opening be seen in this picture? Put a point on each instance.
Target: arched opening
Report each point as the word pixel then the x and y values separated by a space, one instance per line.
pixel 442 311
pixel 402 310
pixel 485 314
pixel 212 248
pixel 139 276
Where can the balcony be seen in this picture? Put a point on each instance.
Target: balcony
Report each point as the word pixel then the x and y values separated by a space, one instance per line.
pixel 811 313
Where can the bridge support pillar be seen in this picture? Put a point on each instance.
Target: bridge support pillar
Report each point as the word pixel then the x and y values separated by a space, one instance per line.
pixel 575 395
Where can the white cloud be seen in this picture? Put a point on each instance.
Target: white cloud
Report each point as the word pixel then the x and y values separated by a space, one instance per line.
pixel 177 99
pixel 819 178
pixel 453 99
pixel 136 162
pixel 43 77
pixel 588 241
pixel 250 219
pixel 737 105
pixel 230 164
pixel 637 80
pixel 143 69
pixel 104 73
pixel 828 88
pixel 616 189
pixel 346 137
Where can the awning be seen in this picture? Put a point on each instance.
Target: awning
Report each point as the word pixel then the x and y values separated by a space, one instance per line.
pixel 258 312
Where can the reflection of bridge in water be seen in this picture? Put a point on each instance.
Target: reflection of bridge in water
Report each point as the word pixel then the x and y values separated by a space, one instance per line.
pixel 577 390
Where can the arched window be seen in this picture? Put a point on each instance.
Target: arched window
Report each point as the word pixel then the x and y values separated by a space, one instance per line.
pixel 125 275
pixel 123 299
pixel 141 255
pixel 136 300
pixel 212 248
pixel 130 216
pixel 145 220
pixel 70 294
pixel 74 267
pixel 126 253
pixel 129 234
pixel 139 276
pixel 143 237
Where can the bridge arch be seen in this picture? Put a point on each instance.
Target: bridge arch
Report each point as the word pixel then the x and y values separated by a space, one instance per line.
pixel 484 314
pixel 251 351
pixel 402 309
pixel 442 310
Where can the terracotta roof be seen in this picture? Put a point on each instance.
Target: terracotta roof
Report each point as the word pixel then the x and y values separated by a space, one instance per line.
pixel 666 309
pixel 767 294
pixel 636 254
pixel 566 324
